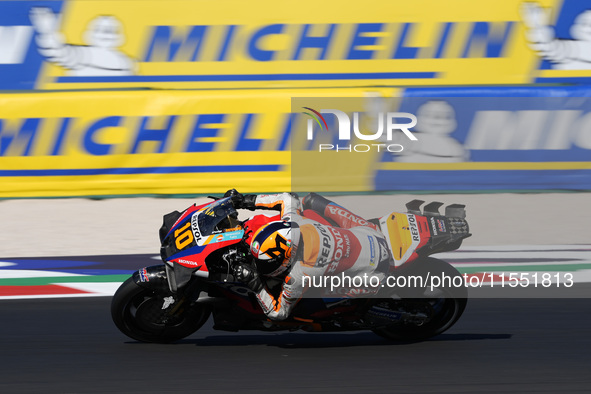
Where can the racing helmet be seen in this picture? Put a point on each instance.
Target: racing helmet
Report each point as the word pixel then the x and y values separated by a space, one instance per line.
pixel 271 246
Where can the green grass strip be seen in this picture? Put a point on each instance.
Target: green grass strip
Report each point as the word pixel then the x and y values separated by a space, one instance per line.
pixel 524 268
pixel 62 279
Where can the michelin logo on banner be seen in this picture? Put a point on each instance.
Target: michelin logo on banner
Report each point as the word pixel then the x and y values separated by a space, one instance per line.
pixel 516 129
pixel 103 44
pixel 99 57
pixel 436 123
pixel 20 62
pixel 561 38
pixel 13 43
pixel 538 139
pixel 571 51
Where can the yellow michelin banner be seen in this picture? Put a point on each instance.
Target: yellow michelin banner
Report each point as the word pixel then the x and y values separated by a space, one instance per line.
pixel 86 44
pixel 150 142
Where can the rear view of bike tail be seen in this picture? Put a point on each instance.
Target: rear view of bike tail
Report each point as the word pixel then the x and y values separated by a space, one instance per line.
pixel 430 292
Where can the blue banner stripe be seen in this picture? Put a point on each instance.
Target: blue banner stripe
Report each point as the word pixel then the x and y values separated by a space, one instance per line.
pixel 584 80
pixel 483 180
pixel 249 77
pixel 140 170
pixel 501 91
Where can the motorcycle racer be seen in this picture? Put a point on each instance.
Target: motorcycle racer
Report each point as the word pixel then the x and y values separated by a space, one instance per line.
pixel 298 246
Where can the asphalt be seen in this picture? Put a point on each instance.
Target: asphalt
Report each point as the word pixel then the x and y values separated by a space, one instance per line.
pixel 499 345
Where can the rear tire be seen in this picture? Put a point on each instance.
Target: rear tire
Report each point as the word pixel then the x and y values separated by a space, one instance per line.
pixel 137 312
pixel 447 307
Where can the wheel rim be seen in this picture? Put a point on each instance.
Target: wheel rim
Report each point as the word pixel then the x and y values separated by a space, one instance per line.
pixel 146 312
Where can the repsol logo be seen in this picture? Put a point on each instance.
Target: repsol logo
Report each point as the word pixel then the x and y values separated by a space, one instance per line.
pixel 325 245
pixel 414 230
pixel 195 227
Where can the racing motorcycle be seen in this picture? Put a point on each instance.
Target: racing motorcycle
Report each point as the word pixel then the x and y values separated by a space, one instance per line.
pixel 167 302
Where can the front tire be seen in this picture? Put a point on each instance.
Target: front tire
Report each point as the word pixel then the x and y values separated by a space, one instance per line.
pixel 446 308
pixel 138 313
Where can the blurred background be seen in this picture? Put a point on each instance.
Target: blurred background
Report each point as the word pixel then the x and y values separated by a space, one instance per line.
pixel 106 99
pixel 189 98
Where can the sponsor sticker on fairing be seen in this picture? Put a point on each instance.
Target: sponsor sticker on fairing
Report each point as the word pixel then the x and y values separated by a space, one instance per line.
pixel 189 262
pixel 195 227
pixel 144 275
pixel 414 229
pixel 441 225
pixel 433 226
pixel 372 252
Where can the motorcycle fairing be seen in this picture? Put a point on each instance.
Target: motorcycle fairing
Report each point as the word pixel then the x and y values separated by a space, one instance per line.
pixel 405 234
pixel 167 229
pixel 417 233
pixel 198 232
pixel 215 238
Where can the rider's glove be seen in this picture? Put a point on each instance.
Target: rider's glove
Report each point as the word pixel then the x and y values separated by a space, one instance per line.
pixel 241 201
pixel 249 202
pixel 249 276
pixel 237 198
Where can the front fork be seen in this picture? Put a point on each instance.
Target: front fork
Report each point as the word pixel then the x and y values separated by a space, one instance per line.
pixel 161 279
pixel 154 277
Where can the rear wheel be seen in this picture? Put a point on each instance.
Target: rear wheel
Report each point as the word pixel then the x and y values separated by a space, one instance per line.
pixel 149 316
pixel 442 306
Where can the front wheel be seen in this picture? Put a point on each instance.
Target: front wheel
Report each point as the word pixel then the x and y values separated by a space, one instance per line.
pixel 150 316
pixel 443 306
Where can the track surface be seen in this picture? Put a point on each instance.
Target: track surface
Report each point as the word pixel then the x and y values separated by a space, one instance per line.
pixel 71 345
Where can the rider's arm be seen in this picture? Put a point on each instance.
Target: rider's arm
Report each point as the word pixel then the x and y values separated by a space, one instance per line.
pixel 292 290
pixel 329 209
pixel 283 202
pixel 286 203
pixel 280 308
pixel 275 308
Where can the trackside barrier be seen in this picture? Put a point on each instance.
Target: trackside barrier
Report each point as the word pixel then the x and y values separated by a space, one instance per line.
pixel 229 44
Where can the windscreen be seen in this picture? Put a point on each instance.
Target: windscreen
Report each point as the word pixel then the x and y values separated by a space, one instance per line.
pixel 219 217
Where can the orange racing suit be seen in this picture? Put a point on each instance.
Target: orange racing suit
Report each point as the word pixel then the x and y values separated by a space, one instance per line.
pixel 354 248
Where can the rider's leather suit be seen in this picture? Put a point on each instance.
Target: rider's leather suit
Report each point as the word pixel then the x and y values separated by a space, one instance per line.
pixel 354 247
